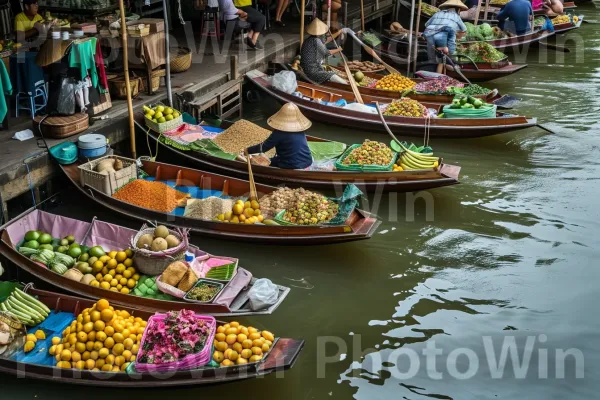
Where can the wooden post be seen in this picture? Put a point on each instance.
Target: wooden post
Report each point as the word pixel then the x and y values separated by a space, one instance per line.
pixel 126 71
pixel 233 67
pixel 167 54
pixel 329 13
pixel 487 7
pixel 345 3
pixel 477 13
pixel 416 50
pixel 302 6
pixel 362 15
pixel 410 28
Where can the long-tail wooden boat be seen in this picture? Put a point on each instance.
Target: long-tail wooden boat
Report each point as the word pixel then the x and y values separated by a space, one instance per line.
pixel 407 126
pixel 358 226
pixel 391 94
pixel 281 357
pixel 561 29
pixel 404 181
pixel 12 232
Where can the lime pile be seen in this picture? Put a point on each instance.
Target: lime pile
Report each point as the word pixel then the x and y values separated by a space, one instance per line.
pixel 161 114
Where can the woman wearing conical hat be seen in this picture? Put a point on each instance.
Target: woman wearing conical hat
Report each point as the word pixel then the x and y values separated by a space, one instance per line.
pixel 442 29
pixel 288 139
pixel 314 53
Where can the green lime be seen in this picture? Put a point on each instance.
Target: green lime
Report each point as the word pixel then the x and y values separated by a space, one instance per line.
pixel 84 257
pixel 96 251
pixel 32 235
pixel 74 252
pixel 45 238
pixel 62 249
pixel 70 238
pixel 32 244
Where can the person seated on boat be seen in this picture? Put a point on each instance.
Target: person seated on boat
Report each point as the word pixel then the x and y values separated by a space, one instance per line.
pixel 442 30
pixel 288 139
pixel 519 12
pixel 314 52
pixel 553 7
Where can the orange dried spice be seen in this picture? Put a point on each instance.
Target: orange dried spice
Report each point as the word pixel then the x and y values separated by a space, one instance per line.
pixel 153 195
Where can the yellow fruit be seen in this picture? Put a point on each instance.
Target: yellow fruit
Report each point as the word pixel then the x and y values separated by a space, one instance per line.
pixel 231 331
pixel 221 346
pixel 29 345
pixel 104 271
pixel 102 304
pixel 82 337
pixel 98 345
pixel 64 364
pixel 226 363
pixel 220 337
pixel 94 355
pixel 118 337
pixel 253 335
pixel 109 343
pixel 237 347
pixel 106 368
pixel 121 256
pixel 218 356
pixel 238 209
pixel 31 338
pixel 103 352
pixel 233 355
pixel 231 338
pixel 65 355
pixel 106 315
pixel 257 343
pixel 268 335
pixel 255 358
pixel 246 353
pixel 127 274
pixel 110 359
pixel 97 266
pixel 40 334
pixel 265 347
pixel 89 346
pixel 114 283
pixel 247 344
pixel 120 360
pixel 90 364
pixel 72 339
pixel 112 272
pixel 241 361
pixel 254 204
pixel 125 333
pixel 257 351
pixel 85 355
pixel 99 326
pixel 252 330
pixel 75 356
pixel 51 350
pixel 105 285
pixel 55 340
pixel 127 355
pixel 260 218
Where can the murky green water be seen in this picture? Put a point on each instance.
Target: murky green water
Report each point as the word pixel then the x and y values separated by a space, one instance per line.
pixel 508 255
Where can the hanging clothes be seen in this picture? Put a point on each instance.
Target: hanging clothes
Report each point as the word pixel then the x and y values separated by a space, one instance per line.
pixel 83 56
pixel 5 90
pixel 6 19
pixel 100 68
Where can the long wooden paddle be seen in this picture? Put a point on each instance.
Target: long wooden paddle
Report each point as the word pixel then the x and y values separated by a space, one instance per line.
pixel 374 54
pixel 253 193
pixel 387 128
pixel 348 73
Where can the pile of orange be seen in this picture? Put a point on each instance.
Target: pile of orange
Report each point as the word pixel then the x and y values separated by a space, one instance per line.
pixel 99 339
pixel 114 271
pixel 236 344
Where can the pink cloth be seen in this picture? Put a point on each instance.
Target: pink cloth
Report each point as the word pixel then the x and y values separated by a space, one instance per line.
pixel 55 225
pixel 537 4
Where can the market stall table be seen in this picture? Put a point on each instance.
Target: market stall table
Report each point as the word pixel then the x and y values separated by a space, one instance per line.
pixel 146 53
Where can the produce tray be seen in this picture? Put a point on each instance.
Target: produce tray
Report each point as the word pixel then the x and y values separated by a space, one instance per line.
pixel 363 168
pixel 208 281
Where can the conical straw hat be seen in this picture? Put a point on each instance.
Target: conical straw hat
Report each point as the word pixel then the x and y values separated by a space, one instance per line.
pixel 51 51
pixel 317 28
pixel 289 119
pixel 454 3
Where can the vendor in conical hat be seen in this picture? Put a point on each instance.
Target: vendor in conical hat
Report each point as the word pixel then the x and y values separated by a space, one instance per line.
pixel 314 52
pixel 442 29
pixel 288 139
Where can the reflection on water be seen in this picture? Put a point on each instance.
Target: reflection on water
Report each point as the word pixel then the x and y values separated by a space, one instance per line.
pixel 424 309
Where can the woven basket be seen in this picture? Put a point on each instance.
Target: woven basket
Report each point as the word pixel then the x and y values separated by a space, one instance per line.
pixel 107 184
pixel 154 263
pixel 156 75
pixel 181 59
pixel 118 89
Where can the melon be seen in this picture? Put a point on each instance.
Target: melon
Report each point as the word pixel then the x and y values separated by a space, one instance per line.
pixel 159 244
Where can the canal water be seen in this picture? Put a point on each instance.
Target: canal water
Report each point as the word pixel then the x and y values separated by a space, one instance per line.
pixel 485 290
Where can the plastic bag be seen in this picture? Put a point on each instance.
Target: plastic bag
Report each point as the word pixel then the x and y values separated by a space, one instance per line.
pixel 62 102
pixel 262 294
pixel 360 108
pixel 285 81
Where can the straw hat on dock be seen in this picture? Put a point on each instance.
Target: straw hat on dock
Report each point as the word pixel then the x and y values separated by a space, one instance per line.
pixel 317 28
pixel 289 119
pixel 454 4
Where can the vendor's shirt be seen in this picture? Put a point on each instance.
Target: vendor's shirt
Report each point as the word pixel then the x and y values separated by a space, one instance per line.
pixel 23 23
pixel 242 3
pixel 518 11
pixel 444 18
pixel 228 10
pixel 292 149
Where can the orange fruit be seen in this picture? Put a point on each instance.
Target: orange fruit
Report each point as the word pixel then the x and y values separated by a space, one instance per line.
pixel 109 343
pixel 220 337
pixel 231 339
pixel 82 337
pixel 237 347
pixel 106 315
pixel 99 326
pixel 118 349
pixel 118 337
pixel 121 256
pixel 128 262
pixel 247 344
pixel 98 345
pixel 110 359
pixel 125 290
pixel 109 331
pixel 105 285
pixel 241 337
pixel 129 253
pixel 101 336
pixel 112 263
pixel 127 274
pixel 103 353
pixel 90 364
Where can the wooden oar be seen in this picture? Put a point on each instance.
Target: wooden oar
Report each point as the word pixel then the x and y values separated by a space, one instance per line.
pixel 348 73
pixel 374 54
pixel 253 193
pixel 387 128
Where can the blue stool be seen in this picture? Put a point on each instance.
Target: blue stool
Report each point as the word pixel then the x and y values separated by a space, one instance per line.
pixel 33 104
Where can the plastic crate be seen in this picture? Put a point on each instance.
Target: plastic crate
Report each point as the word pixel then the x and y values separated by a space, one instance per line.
pixel 107 184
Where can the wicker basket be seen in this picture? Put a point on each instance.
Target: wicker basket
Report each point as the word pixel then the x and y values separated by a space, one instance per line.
pixel 138 30
pixel 154 263
pixel 181 59
pixel 156 75
pixel 118 89
pixel 107 184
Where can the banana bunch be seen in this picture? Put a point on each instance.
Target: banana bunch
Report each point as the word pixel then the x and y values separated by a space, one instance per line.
pixel 410 160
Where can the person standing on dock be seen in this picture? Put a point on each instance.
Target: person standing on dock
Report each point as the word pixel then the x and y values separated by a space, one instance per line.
pixel 314 53
pixel 519 12
pixel 442 29
pixel 288 139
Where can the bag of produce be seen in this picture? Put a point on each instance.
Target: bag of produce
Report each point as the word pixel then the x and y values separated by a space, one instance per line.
pixel 263 294
pixel 285 81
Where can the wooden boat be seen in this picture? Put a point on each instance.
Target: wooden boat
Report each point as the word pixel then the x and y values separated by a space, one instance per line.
pixel 391 94
pixel 483 72
pixel 10 234
pixel 407 126
pixel 404 181
pixel 568 26
pixel 359 225
pixel 514 43
pixel 282 357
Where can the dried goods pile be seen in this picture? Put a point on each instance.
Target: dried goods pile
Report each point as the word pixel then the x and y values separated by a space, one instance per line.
pixel 364 66
pixel 310 209
pixel 499 2
pixel 237 344
pixel 156 196
pixel 204 292
pixel 439 85
pixel 481 52
pixel 406 108
pixel 208 208
pixel 395 82
pixel 281 199
pixel 180 334
pixel 100 339
pixel 370 153
pixel 240 136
